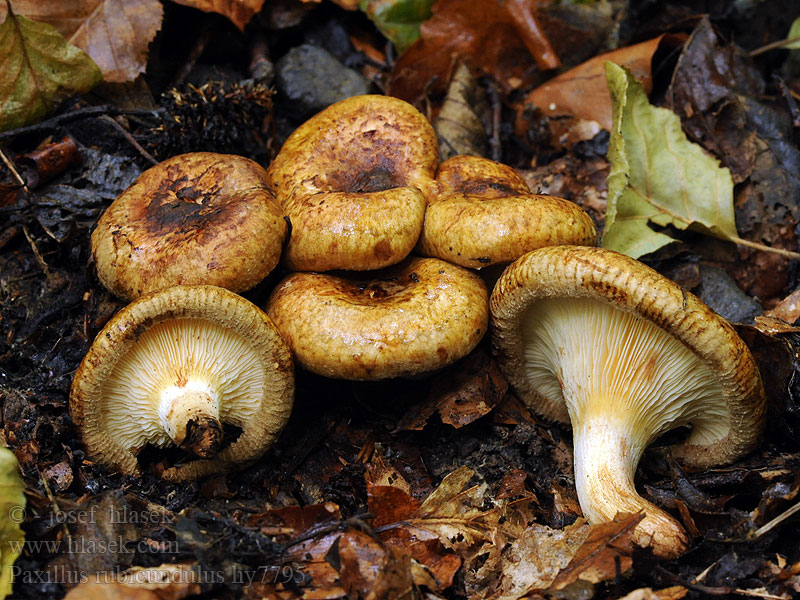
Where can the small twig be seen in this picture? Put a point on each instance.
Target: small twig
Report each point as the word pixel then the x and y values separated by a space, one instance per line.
pixel 764 248
pixel 129 138
pixel 36 253
pixel 775 522
pixel 13 170
pixel 773 46
pixel 194 54
pixel 75 115
pixel 494 138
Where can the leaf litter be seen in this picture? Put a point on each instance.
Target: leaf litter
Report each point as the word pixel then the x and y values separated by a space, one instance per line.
pixel 444 488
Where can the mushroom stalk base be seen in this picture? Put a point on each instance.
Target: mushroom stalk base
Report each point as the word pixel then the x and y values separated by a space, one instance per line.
pixel 190 416
pixel 606 457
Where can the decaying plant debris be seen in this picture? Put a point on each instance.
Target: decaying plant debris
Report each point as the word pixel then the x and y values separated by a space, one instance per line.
pixel 443 487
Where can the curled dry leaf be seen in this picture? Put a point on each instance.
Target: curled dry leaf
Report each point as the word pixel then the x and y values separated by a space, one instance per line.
pixel 582 91
pixel 238 12
pixel 164 582
pixel 545 559
pixel 114 33
pixel 40 68
pixel 489 36
pixel 458 125
pixel 472 388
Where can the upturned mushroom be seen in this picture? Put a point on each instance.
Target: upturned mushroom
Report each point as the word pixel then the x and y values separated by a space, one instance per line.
pixel 353 181
pixel 416 317
pixel 171 368
pixel 198 218
pixel 598 339
pixel 485 214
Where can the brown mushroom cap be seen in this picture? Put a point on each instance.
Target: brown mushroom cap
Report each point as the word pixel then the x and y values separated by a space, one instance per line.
pixel 485 214
pixel 597 338
pixel 198 218
pixel 420 316
pixel 353 181
pixel 184 357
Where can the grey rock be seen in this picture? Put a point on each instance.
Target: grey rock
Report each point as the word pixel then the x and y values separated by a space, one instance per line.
pixel 720 292
pixel 310 78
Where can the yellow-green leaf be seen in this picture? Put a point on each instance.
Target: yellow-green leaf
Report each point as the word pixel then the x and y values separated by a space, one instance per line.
pixel 793 38
pixel 39 69
pixel 398 20
pixel 12 507
pixel 658 176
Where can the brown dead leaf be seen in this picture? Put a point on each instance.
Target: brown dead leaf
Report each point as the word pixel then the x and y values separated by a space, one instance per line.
pixel 378 472
pixel 458 124
pixel 671 593
pixel 239 12
pixel 469 390
pixel 165 582
pixel 390 504
pixel 293 521
pixel 372 571
pixel 605 552
pixel 788 309
pixel 114 33
pixel 535 559
pixel 488 36
pixel 551 559
pixel 582 91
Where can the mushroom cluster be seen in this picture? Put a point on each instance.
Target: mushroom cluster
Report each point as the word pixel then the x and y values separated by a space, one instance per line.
pixel 595 338
pixel 361 185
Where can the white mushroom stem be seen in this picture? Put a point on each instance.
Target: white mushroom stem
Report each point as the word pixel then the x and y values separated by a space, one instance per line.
pixel 190 416
pixel 606 456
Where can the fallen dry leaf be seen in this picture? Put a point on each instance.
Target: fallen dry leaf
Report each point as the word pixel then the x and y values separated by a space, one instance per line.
pixel 469 390
pixel 604 553
pixel 114 33
pixel 370 570
pixel 582 91
pixel 458 124
pixel 238 12
pixel 487 35
pixel 552 559
pixel 671 593
pixel 165 582
pixel 40 69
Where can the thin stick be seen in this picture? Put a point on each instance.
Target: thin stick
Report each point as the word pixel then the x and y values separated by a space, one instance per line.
pixel 776 521
pixel 75 115
pixel 13 170
pixel 773 46
pixel 124 133
pixel 764 248
pixel 36 253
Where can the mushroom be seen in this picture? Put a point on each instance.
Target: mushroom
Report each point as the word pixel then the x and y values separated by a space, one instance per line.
pixel 353 181
pixel 198 218
pixel 417 317
pixel 174 365
pixel 485 214
pixel 598 339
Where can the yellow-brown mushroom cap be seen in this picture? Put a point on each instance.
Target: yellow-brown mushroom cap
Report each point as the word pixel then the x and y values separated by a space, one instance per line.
pixel 179 343
pixel 598 339
pixel 485 214
pixel 198 218
pixel 417 317
pixel 353 181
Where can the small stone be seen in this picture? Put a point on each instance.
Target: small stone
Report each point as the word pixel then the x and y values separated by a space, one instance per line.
pixel 720 292
pixel 310 78
pixel 59 476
